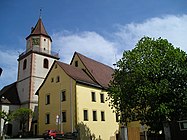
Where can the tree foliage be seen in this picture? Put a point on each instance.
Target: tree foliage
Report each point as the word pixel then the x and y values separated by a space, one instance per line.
pixel 23 115
pixel 150 83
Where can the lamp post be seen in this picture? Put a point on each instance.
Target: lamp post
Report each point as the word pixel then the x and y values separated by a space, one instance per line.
pixel 60 112
pixel 57 121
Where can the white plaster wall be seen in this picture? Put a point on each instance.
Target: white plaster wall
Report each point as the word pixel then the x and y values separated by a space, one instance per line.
pixel 45 44
pixel 28 45
pixel 38 75
pixel 23 90
pixel 39 71
pixel 26 72
pixel 37 83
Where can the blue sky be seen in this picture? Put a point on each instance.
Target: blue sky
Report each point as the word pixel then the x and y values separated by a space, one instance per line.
pixel 99 29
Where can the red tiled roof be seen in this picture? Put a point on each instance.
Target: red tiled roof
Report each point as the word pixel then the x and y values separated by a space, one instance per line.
pixel 76 73
pixel 101 72
pixel 39 29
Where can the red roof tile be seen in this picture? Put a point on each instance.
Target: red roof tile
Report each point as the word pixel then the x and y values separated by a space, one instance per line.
pixel 76 73
pixel 101 72
pixel 39 29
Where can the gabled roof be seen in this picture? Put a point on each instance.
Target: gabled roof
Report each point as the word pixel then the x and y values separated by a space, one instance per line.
pixel 9 95
pixel 99 71
pixel 39 29
pixel 77 74
pixel 96 73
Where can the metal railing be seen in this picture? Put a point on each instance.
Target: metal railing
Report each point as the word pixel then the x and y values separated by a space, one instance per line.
pixel 40 50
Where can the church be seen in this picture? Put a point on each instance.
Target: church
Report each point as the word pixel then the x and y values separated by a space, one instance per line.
pixel 33 66
pixel 67 97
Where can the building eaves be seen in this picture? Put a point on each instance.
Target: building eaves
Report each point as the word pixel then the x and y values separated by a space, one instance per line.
pixel 99 71
pixel 9 94
pixel 77 74
pixel 39 29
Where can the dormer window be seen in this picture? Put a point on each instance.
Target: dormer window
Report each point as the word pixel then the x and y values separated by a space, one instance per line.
pixel 46 63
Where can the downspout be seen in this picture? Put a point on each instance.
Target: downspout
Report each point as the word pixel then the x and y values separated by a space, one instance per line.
pixel 71 106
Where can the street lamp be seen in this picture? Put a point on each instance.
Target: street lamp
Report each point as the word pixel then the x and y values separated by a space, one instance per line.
pixel 57 121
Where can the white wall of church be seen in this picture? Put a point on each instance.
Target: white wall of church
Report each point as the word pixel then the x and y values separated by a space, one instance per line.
pixel 23 88
pixel 24 73
pixel 45 44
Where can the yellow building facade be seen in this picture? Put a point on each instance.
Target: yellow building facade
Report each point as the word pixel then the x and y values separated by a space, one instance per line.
pixel 73 98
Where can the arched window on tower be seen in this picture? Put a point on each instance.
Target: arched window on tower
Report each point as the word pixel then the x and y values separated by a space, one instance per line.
pixel 24 64
pixel 46 63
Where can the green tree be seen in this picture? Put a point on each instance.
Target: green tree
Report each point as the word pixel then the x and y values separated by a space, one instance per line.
pixel 23 115
pixel 7 117
pixel 150 84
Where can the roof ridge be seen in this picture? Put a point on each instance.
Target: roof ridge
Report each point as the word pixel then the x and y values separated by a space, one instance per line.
pixel 102 73
pixel 94 60
pixel 77 73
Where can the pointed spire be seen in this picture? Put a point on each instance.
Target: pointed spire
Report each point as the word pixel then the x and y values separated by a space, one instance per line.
pixel 40 13
pixel 39 29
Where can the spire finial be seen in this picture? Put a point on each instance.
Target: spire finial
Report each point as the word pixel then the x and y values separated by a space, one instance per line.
pixel 40 13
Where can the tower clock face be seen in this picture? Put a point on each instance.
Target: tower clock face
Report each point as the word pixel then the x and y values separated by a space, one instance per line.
pixel 35 41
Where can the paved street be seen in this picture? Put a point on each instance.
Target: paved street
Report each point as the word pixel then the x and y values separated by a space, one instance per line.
pixel 27 139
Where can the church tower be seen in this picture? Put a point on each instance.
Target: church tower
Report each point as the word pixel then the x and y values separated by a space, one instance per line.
pixel 34 64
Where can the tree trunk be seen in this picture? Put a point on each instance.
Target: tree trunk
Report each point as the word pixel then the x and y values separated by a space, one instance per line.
pixel 124 133
pixel 167 131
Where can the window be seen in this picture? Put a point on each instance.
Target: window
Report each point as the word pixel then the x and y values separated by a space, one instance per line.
pixel 93 97
pixel 102 98
pixel 46 63
pixel 47 99
pixel 47 118
pixel 183 125
pixel 76 63
pixel 63 116
pixel 57 79
pixel 94 115
pixel 63 95
pixel 102 116
pixel 24 64
pixel 85 113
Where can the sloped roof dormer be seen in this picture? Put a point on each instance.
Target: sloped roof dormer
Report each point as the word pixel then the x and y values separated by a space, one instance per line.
pixel 100 72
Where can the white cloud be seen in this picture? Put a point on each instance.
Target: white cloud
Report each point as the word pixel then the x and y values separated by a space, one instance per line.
pixel 90 44
pixel 96 46
pixel 9 65
pixel 173 28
